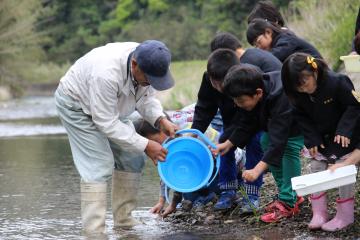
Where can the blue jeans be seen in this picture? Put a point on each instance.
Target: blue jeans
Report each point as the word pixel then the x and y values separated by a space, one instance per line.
pixel 217 122
pixel 213 187
pixel 254 154
pixel 228 172
pixel 228 175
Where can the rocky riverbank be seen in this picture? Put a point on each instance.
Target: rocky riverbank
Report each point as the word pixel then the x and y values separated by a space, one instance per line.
pixel 235 226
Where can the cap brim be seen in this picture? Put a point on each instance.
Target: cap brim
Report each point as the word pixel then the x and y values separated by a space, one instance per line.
pixel 161 83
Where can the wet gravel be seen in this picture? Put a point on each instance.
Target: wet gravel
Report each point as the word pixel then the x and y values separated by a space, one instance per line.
pixel 236 226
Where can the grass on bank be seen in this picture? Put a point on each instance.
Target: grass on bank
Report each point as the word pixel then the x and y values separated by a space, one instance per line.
pixel 187 75
pixel 328 25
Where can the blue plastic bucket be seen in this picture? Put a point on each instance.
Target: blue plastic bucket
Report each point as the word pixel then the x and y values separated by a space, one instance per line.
pixel 189 163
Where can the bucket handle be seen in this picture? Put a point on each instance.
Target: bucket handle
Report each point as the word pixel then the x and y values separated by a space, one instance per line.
pixel 217 170
pixel 208 142
pixel 167 193
pixel 198 133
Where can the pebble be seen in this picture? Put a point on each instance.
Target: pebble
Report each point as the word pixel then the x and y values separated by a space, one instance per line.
pixel 186 205
pixel 228 221
pixel 201 214
pixel 193 221
pixel 209 219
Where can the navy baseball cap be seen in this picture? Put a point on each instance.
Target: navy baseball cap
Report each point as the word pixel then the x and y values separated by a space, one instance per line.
pixel 153 58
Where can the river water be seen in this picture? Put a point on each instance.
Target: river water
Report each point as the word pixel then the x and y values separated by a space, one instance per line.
pixel 39 185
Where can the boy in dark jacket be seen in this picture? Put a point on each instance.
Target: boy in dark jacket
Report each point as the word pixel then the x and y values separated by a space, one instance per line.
pixel 266 109
pixel 211 98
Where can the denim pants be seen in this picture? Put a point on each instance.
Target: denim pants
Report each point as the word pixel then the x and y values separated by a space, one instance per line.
pixel 228 171
pixel 254 154
pixel 95 156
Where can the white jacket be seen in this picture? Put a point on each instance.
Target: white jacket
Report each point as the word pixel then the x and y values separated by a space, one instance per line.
pixel 101 83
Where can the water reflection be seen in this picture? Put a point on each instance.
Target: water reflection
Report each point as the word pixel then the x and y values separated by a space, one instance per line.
pixel 39 191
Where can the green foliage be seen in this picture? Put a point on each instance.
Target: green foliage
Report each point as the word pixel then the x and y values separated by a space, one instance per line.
pixel 46 72
pixel 67 29
pixel 329 25
pixel 187 26
pixel 73 27
pixel 158 5
pixel 19 43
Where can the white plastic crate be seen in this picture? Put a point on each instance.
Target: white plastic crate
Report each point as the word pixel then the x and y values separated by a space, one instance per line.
pixel 321 181
pixel 352 63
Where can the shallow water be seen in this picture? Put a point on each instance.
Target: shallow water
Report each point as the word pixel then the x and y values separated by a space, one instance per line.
pixel 40 195
pixel 39 185
pixel 40 192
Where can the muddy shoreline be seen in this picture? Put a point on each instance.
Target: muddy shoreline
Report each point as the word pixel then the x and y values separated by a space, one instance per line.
pixel 231 225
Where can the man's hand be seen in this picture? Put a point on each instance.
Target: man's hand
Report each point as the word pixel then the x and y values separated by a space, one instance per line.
pixel 345 142
pixel 155 151
pixel 168 127
pixel 222 148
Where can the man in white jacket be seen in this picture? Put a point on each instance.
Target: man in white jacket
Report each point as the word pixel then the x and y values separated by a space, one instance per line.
pixel 94 100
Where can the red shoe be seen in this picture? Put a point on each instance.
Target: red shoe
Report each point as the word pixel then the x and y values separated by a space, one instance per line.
pixel 280 210
pixel 272 205
pixel 299 200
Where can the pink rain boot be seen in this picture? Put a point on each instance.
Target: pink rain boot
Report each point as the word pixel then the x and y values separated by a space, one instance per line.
pixel 344 215
pixel 319 209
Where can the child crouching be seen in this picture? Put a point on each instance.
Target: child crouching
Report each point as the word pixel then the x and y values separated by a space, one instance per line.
pixel 183 119
pixel 266 109
pixel 328 111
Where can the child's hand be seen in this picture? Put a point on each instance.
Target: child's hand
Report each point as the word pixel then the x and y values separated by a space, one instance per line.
pixel 222 148
pixel 169 209
pixel 345 142
pixel 314 150
pixel 158 207
pixel 168 127
pixel 250 175
pixel 336 166
pixel 354 158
